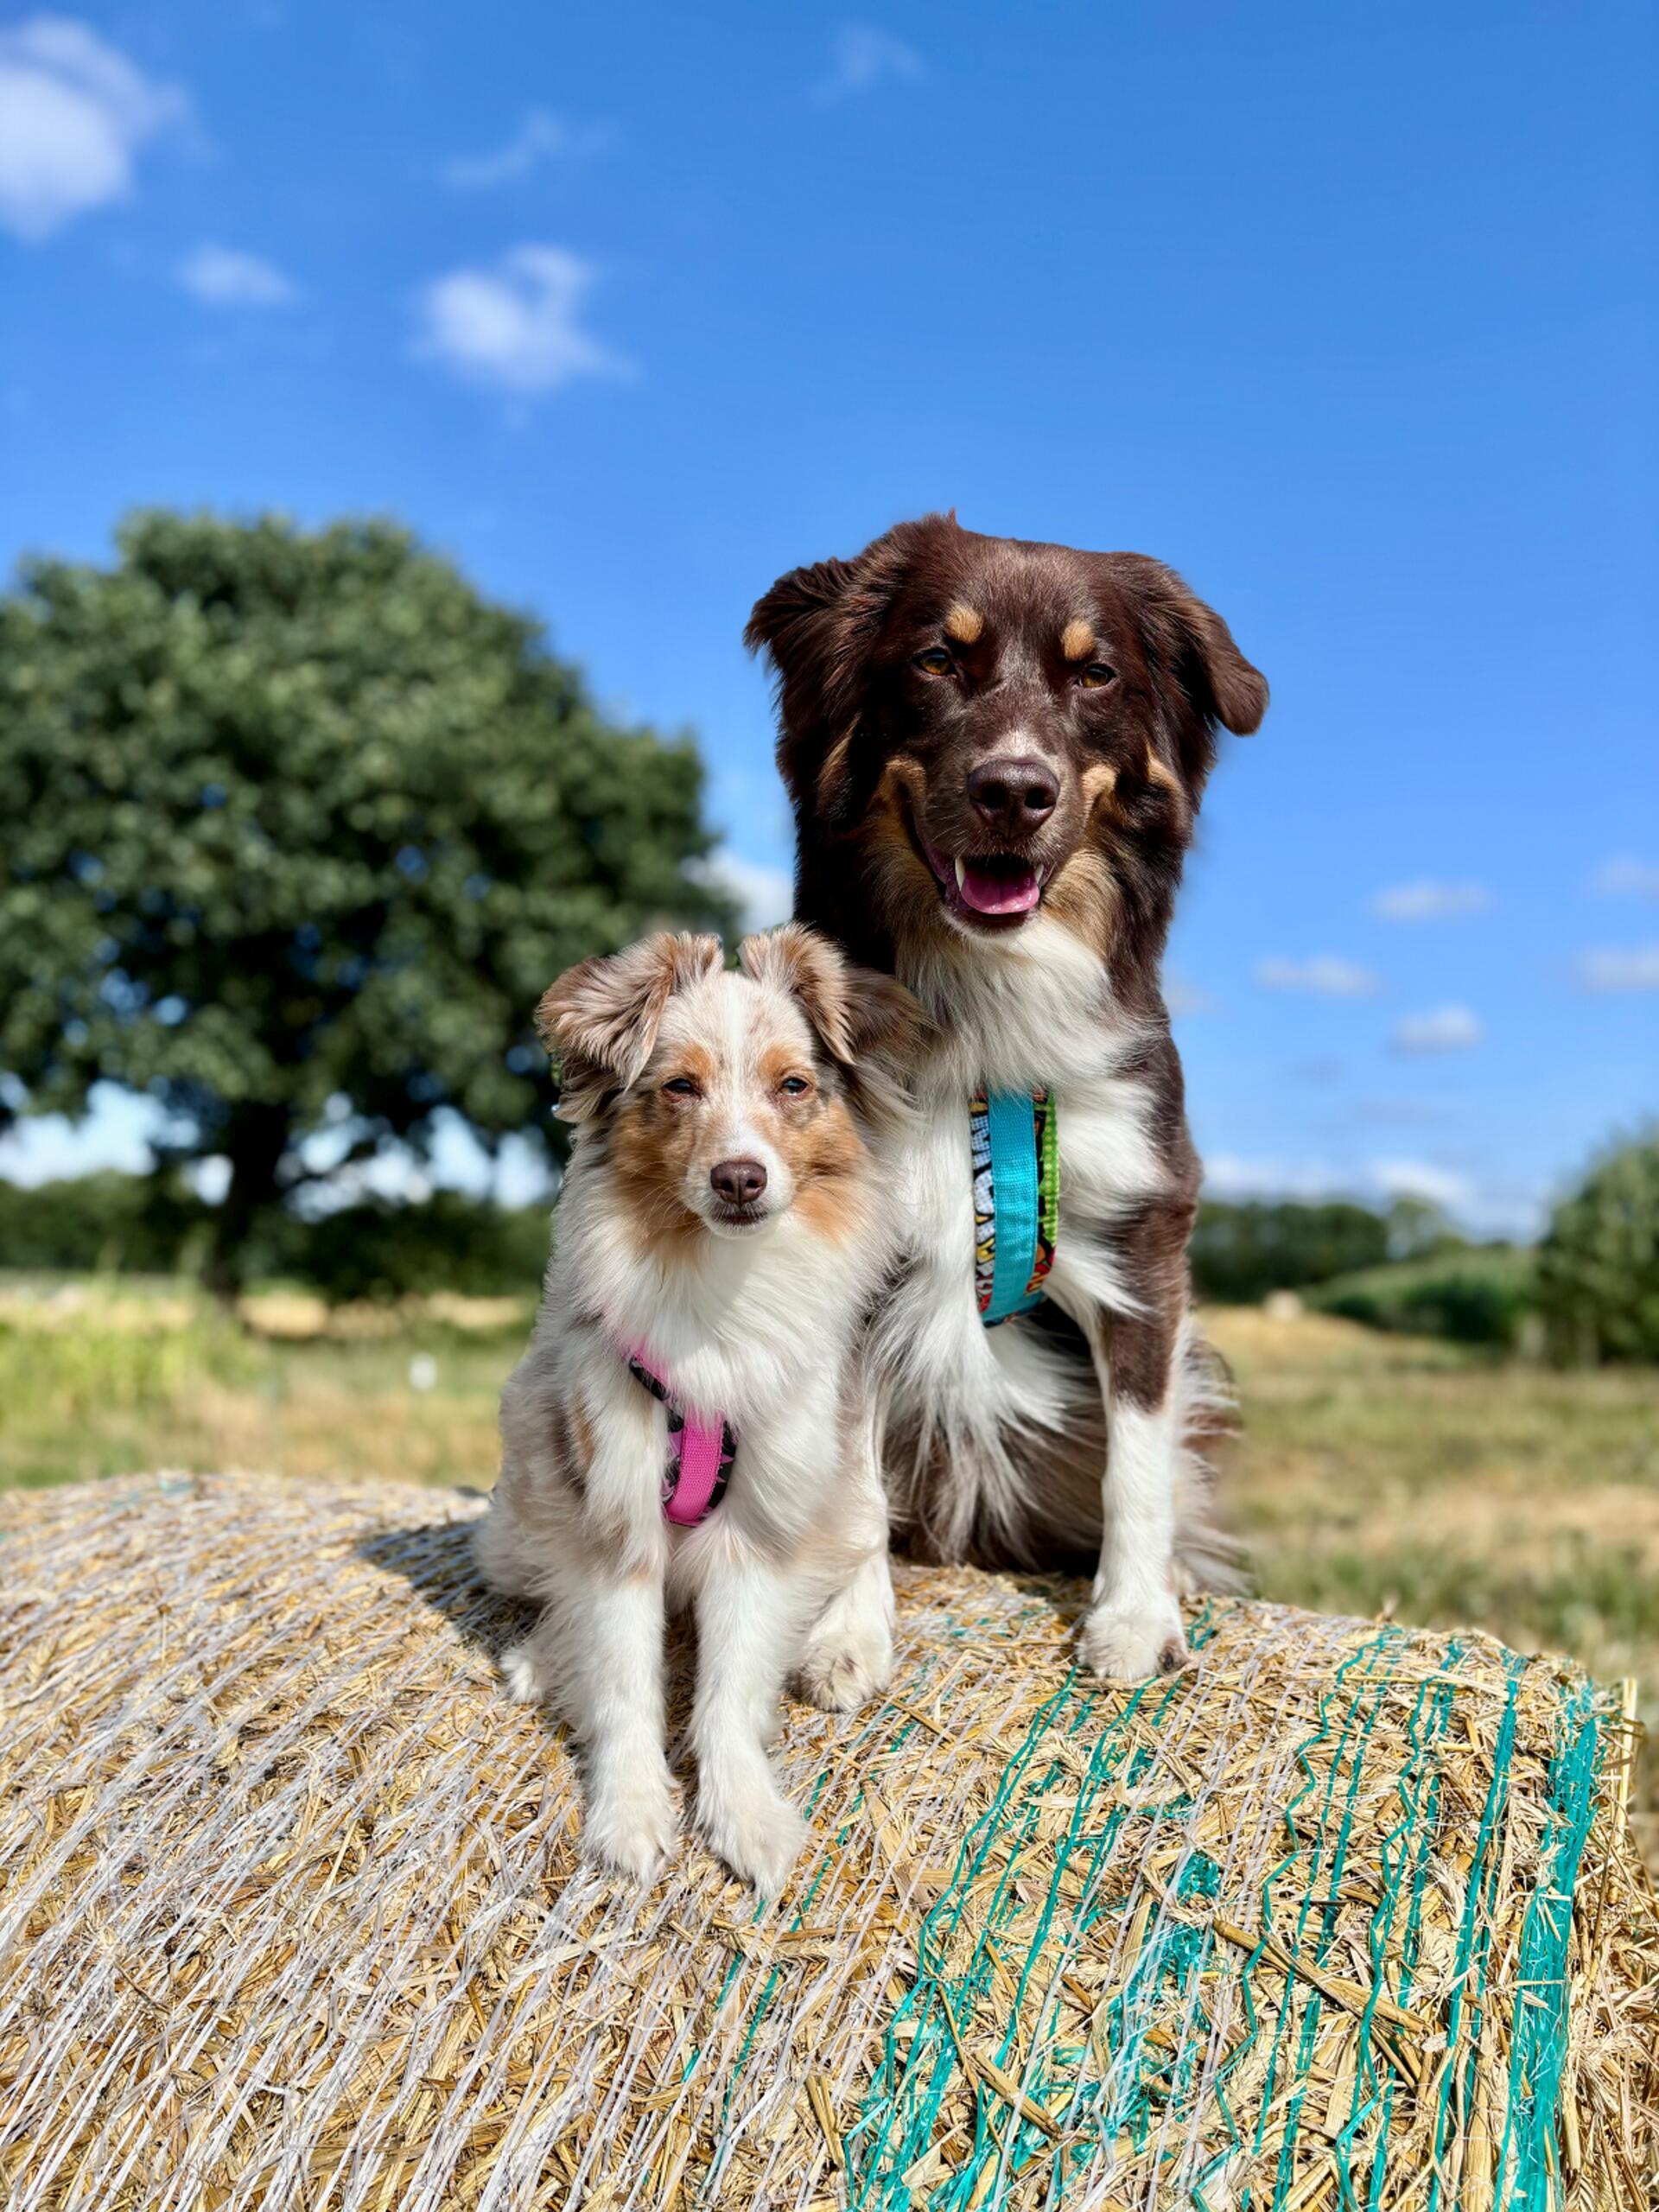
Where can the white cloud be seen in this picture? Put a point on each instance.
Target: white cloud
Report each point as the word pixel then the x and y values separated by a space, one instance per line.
pixel 863 56
pixel 1626 879
pixel 1325 974
pixel 221 277
pixel 764 894
pixel 517 326
pixel 73 114
pixel 1430 902
pixel 1422 1179
pixel 1445 1029
pixel 1236 1175
pixel 538 136
pixel 116 1131
pixel 1630 968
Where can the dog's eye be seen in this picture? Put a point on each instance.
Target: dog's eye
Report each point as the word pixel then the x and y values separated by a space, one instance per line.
pixel 934 662
pixel 680 1086
pixel 796 1086
pixel 1097 675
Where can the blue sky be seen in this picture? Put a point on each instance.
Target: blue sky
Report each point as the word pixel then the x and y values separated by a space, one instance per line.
pixel 1348 313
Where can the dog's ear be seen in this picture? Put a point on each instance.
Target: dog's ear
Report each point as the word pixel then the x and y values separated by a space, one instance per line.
pixel 599 1020
pixel 817 625
pixel 860 1015
pixel 1200 673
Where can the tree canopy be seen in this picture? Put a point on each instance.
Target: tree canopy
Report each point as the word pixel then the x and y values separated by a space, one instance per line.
pixel 1598 1265
pixel 295 829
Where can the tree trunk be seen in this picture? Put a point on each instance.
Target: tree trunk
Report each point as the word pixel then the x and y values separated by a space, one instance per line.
pixel 255 1143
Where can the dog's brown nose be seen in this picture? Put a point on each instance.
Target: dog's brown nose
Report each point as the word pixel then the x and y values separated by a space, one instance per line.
pixel 1014 793
pixel 739 1182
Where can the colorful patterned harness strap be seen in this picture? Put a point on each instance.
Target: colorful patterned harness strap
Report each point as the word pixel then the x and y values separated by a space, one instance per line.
pixel 701 1450
pixel 1016 1199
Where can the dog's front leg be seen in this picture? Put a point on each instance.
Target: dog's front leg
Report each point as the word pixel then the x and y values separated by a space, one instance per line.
pixel 750 1614
pixel 597 1654
pixel 1133 1627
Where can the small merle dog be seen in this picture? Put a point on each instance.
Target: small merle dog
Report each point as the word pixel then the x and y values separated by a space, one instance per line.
pixel 690 1426
pixel 996 750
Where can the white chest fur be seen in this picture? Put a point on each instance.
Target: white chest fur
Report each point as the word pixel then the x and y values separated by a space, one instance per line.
pixel 1032 1013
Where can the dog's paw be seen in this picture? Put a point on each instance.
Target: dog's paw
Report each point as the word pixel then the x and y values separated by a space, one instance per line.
pixel 840 1671
pixel 755 1829
pixel 521 1674
pixel 1126 1643
pixel 630 1827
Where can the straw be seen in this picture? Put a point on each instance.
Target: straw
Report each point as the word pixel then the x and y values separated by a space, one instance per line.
pixel 292 1913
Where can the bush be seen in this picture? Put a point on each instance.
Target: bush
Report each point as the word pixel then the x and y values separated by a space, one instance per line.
pixel 1480 1296
pixel 449 1242
pixel 139 1225
pixel 1599 1265
pixel 1241 1252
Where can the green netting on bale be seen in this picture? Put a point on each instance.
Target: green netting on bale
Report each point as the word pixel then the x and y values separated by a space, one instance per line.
pixel 1138 2088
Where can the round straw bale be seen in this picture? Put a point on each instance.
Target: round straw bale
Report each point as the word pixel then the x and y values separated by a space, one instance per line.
pixel 292 1913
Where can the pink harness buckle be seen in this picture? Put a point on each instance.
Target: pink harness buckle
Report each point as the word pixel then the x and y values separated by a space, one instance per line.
pixel 701 1450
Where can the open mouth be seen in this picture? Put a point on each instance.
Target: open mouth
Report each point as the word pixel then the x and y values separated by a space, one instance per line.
pixel 997 888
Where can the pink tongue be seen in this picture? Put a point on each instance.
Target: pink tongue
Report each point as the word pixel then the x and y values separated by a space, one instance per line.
pixel 988 893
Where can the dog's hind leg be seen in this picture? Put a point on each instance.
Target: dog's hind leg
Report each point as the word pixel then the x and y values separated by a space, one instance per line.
pixel 848 1656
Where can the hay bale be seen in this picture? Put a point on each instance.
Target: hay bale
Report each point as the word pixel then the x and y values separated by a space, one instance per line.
pixel 292 1915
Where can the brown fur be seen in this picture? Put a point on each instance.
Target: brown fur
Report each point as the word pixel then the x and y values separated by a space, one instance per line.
pixel 603 1022
pixel 600 1020
pixel 862 729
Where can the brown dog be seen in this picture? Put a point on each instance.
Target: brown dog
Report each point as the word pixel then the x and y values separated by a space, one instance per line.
pixel 996 751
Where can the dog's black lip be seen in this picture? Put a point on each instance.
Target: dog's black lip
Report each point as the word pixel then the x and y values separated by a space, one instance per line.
pixel 739 1217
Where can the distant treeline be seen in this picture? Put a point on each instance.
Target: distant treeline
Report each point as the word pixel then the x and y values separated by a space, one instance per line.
pixel 1592 1283
pixel 1405 1270
pixel 137 1225
pixel 375 1249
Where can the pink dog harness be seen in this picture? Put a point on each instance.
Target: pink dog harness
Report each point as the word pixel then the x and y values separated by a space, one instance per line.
pixel 701 1450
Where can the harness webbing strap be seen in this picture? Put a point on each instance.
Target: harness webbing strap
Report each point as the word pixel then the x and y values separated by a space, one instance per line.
pixel 701 1450
pixel 1016 1199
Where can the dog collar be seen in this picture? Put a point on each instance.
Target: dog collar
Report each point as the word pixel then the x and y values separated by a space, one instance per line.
pixel 1016 1198
pixel 701 1450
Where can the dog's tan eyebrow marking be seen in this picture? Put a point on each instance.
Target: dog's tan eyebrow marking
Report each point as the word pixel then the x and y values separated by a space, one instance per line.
pixel 834 762
pixel 1099 782
pixel 1157 772
pixel 1078 639
pixel 964 624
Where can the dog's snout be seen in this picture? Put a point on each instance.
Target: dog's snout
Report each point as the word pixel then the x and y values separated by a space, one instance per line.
pixel 738 1182
pixel 1014 793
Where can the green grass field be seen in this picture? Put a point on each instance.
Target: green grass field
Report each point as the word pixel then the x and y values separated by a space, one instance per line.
pixel 1377 1473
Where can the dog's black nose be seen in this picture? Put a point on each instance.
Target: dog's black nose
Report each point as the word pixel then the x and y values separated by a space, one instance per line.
pixel 740 1182
pixel 1014 793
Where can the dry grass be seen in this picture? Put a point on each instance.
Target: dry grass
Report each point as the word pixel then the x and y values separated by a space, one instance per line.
pixel 103 1378
pixel 291 1913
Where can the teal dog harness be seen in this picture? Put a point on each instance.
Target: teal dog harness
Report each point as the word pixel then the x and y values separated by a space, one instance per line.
pixel 1016 1199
